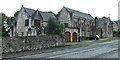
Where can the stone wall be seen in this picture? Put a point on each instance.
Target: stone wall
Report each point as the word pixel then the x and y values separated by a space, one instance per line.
pixel 17 44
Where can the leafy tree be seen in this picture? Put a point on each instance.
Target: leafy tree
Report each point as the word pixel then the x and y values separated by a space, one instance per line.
pixel 9 20
pixel 118 30
pixel 4 18
pixel 54 27
pixel 0 24
pixel 104 17
pixel 52 13
pixel 16 13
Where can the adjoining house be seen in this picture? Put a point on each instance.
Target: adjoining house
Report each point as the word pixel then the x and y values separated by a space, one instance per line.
pixel 115 26
pixel 104 27
pixel 78 25
pixel 29 22
pixel 119 23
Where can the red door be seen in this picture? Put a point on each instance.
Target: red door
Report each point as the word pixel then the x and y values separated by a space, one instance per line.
pixel 67 34
pixel 74 38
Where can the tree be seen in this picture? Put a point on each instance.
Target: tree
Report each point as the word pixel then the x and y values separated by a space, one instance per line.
pixel 52 13
pixel 6 23
pixel 104 17
pixel 118 30
pixel 54 27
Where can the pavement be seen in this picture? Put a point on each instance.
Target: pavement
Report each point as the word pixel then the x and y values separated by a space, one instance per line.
pixel 26 53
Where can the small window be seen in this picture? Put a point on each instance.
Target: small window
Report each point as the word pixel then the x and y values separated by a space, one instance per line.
pixel 27 33
pixel 66 24
pixel 17 34
pixel 26 22
pixel 22 33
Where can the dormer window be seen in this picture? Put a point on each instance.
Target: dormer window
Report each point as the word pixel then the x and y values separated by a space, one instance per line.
pixel 26 22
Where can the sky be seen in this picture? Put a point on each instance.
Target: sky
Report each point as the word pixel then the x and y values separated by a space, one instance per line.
pixel 99 8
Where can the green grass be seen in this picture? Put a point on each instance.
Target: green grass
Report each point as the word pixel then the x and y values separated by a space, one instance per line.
pixel 106 38
pixel 87 40
pixel 74 43
pixel 71 43
pixel 99 39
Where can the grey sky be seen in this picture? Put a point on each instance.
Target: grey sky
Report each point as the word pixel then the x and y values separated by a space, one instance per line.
pixel 97 8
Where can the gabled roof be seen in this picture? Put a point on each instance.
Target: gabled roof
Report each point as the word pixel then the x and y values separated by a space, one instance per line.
pixel 45 15
pixel 102 21
pixel 80 14
pixel 30 11
pixel 119 20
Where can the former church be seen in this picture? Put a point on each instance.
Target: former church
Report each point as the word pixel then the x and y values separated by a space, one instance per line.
pixel 78 25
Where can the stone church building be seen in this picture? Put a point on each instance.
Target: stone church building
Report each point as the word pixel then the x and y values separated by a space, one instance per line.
pixel 29 22
pixel 78 25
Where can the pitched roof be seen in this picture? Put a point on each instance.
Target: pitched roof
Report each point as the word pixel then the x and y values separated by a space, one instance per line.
pixel 119 20
pixel 102 21
pixel 45 15
pixel 114 22
pixel 78 13
pixel 29 11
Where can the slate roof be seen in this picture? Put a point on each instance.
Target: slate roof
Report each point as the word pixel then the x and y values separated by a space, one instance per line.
pixel 114 23
pixel 45 15
pixel 119 20
pixel 101 22
pixel 80 14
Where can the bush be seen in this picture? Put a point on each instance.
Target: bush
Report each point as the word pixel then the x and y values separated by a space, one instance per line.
pixel 54 27
pixel 97 33
pixel 62 35
pixel 101 36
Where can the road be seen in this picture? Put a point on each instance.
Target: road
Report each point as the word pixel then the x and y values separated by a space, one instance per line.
pixel 98 50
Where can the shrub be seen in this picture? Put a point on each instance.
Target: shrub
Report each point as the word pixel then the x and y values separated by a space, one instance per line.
pixel 97 33
pixel 101 36
pixel 54 27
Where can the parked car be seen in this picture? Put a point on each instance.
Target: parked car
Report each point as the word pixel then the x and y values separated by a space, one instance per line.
pixel 94 37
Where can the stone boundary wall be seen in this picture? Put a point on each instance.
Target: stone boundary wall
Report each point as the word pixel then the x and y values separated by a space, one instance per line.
pixel 17 44
pixel 116 35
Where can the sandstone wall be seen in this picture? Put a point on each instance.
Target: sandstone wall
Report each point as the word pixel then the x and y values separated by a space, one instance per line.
pixel 17 44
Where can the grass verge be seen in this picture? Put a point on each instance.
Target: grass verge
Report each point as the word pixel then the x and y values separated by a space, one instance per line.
pixel 99 39
pixel 106 38
pixel 71 43
pixel 74 43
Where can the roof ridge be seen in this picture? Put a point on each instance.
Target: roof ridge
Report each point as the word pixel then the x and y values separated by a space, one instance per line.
pixel 77 11
pixel 30 8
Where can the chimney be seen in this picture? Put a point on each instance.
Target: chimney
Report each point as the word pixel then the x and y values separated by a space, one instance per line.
pixel 95 21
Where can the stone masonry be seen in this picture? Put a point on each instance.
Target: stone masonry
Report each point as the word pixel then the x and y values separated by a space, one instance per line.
pixel 17 44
